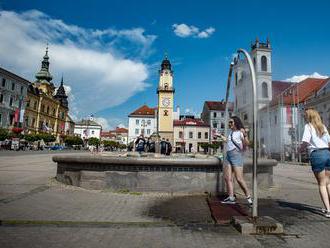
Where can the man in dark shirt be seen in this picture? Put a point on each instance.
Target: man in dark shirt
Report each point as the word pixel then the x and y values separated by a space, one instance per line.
pixel 168 147
pixel 163 146
pixel 139 144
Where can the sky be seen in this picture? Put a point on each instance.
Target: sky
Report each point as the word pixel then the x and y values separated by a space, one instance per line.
pixel 109 52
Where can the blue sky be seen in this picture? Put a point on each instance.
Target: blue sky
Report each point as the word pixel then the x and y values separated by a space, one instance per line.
pixel 298 30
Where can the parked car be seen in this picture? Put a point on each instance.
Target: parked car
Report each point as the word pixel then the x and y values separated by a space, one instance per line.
pixel 56 147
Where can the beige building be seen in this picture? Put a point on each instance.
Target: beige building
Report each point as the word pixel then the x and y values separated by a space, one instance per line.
pixel 189 134
pixel 165 93
pixel 46 110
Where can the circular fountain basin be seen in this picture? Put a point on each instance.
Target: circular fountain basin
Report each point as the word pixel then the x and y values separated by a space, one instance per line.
pixel 148 172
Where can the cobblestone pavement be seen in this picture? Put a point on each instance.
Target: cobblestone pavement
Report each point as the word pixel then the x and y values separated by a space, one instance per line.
pixel 37 211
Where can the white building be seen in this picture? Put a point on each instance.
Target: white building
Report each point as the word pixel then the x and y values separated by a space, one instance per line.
pixel 214 115
pixel 320 101
pixel 189 134
pixel 142 121
pixel 261 56
pixel 86 129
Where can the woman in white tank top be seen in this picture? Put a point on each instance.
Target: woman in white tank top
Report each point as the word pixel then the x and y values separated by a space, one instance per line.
pixel 316 139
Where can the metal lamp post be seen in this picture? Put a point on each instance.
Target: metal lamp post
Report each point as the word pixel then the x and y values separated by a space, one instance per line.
pixel 254 105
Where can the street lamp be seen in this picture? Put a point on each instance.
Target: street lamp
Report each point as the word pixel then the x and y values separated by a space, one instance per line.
pixel 254 129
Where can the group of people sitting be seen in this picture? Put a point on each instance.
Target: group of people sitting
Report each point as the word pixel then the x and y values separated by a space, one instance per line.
pixel 143 145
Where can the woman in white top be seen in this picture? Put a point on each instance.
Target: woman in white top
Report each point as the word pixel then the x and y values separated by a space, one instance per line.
pixel 233 164
pixel 316 138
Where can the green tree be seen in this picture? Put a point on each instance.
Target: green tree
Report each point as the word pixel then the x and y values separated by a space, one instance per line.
pixel 73 140
pixel 93 141
pixel 4 134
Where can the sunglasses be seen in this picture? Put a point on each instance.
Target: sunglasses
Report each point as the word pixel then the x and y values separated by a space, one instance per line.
pixel 230 122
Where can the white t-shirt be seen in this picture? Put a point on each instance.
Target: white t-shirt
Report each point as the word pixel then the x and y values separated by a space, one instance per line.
pixel 315 142
pixel 238 138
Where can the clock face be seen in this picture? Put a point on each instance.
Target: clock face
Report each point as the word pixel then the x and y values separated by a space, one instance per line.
pixel 166 101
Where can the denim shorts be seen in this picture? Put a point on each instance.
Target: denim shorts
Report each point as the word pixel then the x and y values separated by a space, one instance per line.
pixel 234 158
pixel 320 160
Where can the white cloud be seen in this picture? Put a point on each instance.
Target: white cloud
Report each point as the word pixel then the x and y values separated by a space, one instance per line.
pixel 299 78
pixel 109 123
pixel 103 122
pixel 183 30
pixel 101 67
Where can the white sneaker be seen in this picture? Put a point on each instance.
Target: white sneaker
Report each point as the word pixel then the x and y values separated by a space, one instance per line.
pixel 249 200
pixel 327 214
pixel 229 200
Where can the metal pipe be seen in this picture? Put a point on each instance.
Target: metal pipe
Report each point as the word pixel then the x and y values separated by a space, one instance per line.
pixel 255 113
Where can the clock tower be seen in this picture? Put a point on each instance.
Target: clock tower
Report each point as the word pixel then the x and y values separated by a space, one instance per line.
pixel 165 93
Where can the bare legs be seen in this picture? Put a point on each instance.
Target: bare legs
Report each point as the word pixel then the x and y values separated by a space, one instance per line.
pixel 323 180
pixel 237 171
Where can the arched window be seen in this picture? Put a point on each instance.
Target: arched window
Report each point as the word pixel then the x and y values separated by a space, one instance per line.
pixel 264 90
pixel 236 78
pixel 264 63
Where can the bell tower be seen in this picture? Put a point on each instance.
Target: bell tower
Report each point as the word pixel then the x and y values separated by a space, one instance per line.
pixel 165 93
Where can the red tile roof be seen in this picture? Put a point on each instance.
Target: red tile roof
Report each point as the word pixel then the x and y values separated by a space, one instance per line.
pixel 107 134
pixel 299 92
pixel 219 105
pixel 280 86
pixel 190 122
pixel 143 111
pixel 121 130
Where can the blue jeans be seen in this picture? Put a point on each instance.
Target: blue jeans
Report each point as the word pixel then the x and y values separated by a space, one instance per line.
pixel 320 160
pixel 234 158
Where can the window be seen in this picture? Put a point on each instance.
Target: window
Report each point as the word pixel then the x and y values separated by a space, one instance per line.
pixel 206 135
pixel 93 131
pixel 222 114
pixel 191 136
pixel 275 120
pixel 264 89
pixel 1 98
pixel 222 125
pixel 148 131
pixel 42 108
pixel 245 117
pixel 230 114
pixel 137 122
pixel 33 122
pixel 12 86
pixel 165 112
pixel 181 135
pixel 215 125
pixel 28 104
pixel 54 112
pixel 149 122
pixel 11 101
pixel 263 63
pixel 236 78
pixel 35 105
pixel 4 82
pixel 199 135
pixel 47 109
pixel 136 131
pixel 0 118
pixel 62 115
pixel 27 121
pixel 22 89
pixel 214 114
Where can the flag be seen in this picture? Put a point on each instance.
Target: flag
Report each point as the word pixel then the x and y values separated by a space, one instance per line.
pixel 288 114
pixel 21 115
pixel 16 115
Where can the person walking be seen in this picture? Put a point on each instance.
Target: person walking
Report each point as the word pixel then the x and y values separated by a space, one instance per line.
pixel 168 147
pixel 163 147
pixel 233 163
pixel 317 140
pixel 140 144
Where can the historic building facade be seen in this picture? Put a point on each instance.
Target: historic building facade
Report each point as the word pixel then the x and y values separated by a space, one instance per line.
pixel 13 92
pixel 46 108
pixel 189 134
pixel 214 115
pixel 119 135
pixel 142 121
pixel 165 93
pixel 88 128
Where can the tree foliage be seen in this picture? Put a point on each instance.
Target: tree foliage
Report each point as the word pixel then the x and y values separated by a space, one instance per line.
pixel 73 140
pixel 93 141
pixel 4 134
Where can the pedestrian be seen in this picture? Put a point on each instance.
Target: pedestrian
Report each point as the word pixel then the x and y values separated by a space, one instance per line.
pixel 168 147
pixel 140 144
pixel 316 139
pixel 236 142
pixel 163 147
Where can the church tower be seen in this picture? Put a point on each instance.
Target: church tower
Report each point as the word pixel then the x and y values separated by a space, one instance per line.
pixel 165 93
pixel 261 54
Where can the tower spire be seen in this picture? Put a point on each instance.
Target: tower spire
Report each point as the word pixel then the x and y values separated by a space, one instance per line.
pixel 44 74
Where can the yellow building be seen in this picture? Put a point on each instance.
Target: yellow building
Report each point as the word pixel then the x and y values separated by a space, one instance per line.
pixel 165 93
pixel 46 111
